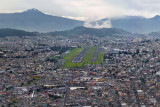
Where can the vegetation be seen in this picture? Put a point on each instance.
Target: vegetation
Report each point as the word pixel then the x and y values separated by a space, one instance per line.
pixel 61 49
pixel 14 32
pixel 69 57
pixel 89 56
pixel 100 58
pixel 35 20
pixel 86 60
pixel 89 31
pixel 14 101
pixel 53 59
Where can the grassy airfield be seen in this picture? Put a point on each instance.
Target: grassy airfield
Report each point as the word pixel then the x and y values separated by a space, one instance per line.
pixel 86 60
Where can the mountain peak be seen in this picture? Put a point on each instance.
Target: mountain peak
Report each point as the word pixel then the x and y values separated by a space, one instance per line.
pixel 156 17
pixel 33 10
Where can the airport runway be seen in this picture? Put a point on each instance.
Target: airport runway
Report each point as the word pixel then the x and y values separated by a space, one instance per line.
pixel 95 57
pixel 81 55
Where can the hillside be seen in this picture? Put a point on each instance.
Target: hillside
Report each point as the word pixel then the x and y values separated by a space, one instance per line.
pixel 35 20
pixel 133 24
pixel 14 32
pixel 137 24
pixel 89 31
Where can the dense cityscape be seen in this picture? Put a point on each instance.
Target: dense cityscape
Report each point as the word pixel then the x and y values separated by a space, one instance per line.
pixel 79 53
pixel 33 71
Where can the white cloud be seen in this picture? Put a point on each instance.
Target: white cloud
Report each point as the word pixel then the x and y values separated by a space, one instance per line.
pixel 104 24
pixel 85 8
pixel 91 8
pixel 76 18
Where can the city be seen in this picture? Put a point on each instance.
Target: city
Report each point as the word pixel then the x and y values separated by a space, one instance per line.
pixel 33 72
pixel 79 53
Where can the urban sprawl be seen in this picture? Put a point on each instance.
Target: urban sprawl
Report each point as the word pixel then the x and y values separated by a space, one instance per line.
pixel 80 71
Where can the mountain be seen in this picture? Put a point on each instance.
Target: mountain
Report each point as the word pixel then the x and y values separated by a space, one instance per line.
pixel 90 31
pixel 154 34
pixel 133 24
pixel 35 20
pixel 137 24
pixel 13 32
pixel 129 17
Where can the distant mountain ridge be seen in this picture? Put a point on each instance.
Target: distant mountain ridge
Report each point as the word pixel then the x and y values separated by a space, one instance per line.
pixel 138 24
pixel 35 20
pixel 133 24
pixel 14 32
pixel 90 31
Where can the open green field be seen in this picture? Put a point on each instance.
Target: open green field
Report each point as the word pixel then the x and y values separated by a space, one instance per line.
pixel 86 60
pixel 100 58
pixel 69 57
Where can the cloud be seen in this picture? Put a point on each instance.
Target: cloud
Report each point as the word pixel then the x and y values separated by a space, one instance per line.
pixel 85 8
pixel 76 18
pixel 74 8
pixel 97 24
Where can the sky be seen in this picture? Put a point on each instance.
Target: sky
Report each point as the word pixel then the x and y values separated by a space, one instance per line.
pixel 85 9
